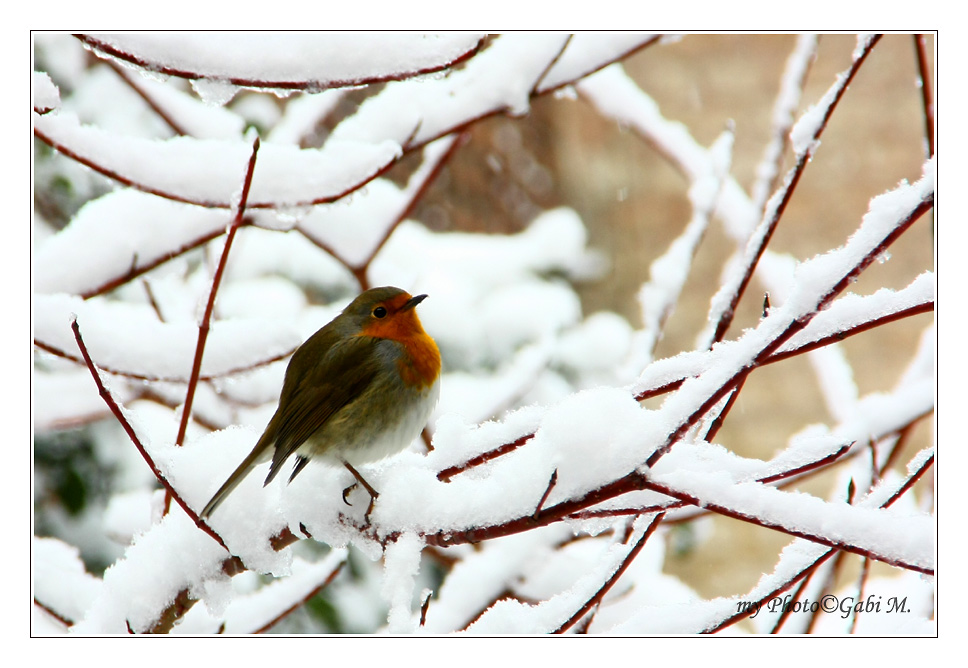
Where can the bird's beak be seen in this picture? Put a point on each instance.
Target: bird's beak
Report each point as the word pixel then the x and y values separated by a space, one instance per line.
pixel 412 302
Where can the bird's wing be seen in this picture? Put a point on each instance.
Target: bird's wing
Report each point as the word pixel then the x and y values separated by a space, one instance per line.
pixel 338 378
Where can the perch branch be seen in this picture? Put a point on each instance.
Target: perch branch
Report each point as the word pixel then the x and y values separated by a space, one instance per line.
pixel 670 386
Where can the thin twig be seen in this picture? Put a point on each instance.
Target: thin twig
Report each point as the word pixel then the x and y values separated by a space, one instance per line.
pixel 720 419
pixel 773 593
pixel 203 327
pixel 768 524
pixel 596 598
pixel 135 271
pixel 913 478
pixel 129 430
pixel 57 352
pixel 53 613
pixel 806 571
pixel 768 225
pixel 137 85
pixel 793 328
pixel 788 609
pixel 927 100
pixel 300 603
pixel 544 497
pixel 670 386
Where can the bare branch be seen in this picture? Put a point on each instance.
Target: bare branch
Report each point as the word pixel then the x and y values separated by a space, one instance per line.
pixel 129 430
pixel 203 327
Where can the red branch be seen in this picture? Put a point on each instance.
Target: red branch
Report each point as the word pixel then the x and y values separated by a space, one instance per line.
pixel 607 585
pixel 793 328
pixel 673 385
pixel 119 414
pixel 808 570
pixel 759 521
pixel 203 327
pixel 135 82
pixel 57 352
pixel 137 270
pixel 913 478
pixel 927 100
pixel 298 604
pixel 768 226
pixel 53 613
pixel 314 86
pixel 448 473
pixel 408 147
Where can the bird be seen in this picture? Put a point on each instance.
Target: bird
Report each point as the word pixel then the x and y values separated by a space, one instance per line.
pixel 358 390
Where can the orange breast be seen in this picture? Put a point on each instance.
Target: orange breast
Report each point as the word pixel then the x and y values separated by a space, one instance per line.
pixel 420 366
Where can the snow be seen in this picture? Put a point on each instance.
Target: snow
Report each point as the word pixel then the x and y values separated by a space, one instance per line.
pixel 500 78
pixel 852 310
pixel 249 611
pixel 209 171
pixel 480 577
pixel 123 230
pixel 60 580
pixel 319 60
pixel 191 557
pixel 510 616
pixel 44 93
pixel 129 339
pixel 886 535
pixel 787 101
pixel 401 563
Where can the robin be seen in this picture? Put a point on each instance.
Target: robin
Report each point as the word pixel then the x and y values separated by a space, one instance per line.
pixel 358 390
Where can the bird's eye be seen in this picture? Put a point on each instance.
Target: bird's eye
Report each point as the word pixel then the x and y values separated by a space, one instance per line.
pixel 380 312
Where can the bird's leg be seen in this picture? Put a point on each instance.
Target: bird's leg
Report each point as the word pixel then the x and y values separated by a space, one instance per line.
pixel 369 488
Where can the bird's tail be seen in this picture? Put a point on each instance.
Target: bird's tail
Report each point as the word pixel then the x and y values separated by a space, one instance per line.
pixel 257 456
